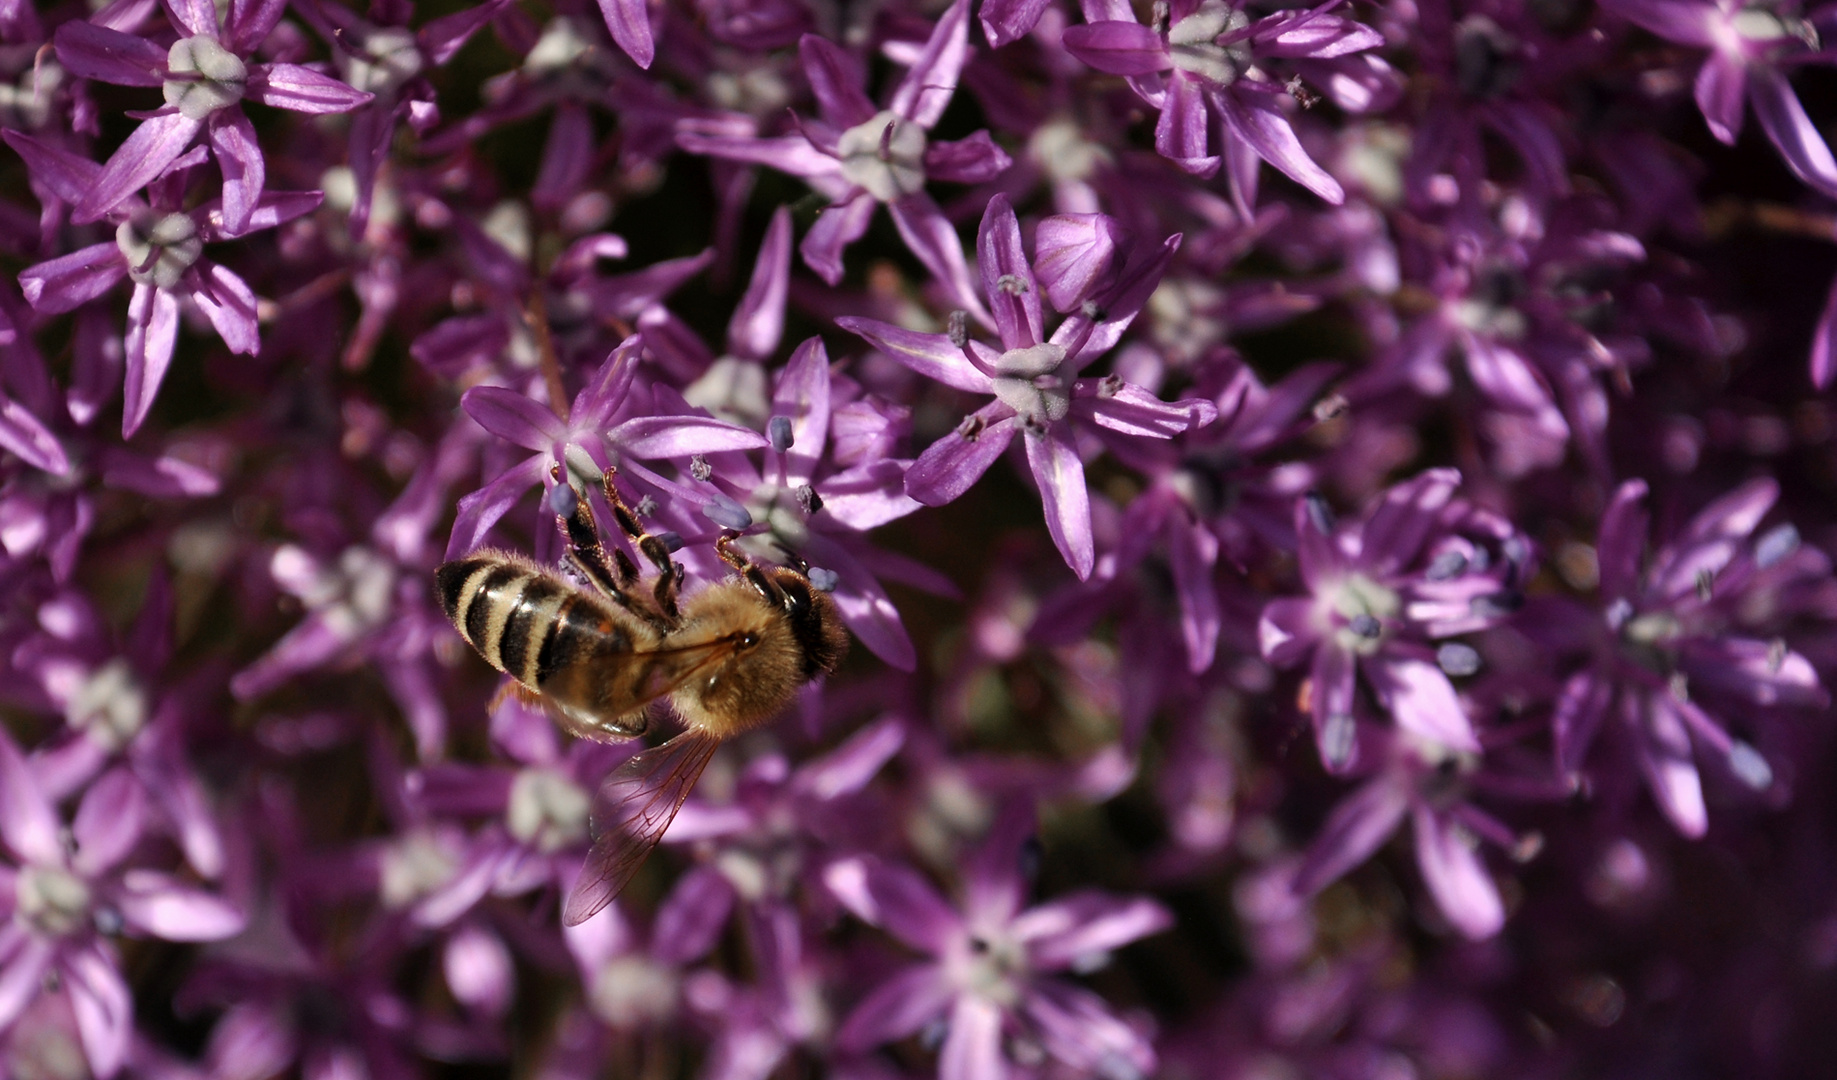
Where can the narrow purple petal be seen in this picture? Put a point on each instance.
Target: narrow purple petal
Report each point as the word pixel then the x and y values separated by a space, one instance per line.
pixel 897 1008
pixel 803 397
pixel 1073 928
pixel 443 37
pixel 895 898
pixel 1662 743
pixel 153 329
pixel 848 768
pixel 28 821
pixel 1305 33
pixel 1682 21
pixel 1455 875
pixel 1353 832
pixel 839 225
pixel 1060 473
pixel 1824 344
pixel 1119 48
pixel 479 511
pixel 1580 708
pixel 758 322
pixel 70 177
pixel 1286 632
pixel 103 1007
pixel 1261 125
pixel 1394 534
pixel 866 609
pixel 96 52
pixel 228 302
pixel 108 822
pixel 567 158
pixel 22 973
pixel 836 78
pixel 681 436
pixel 1131 410
pixel 1334 677
pixel 232 139
pixel 1073 254
pixel 950 466
pixel 931 237
pixel 70 281
pixel 787 153
pixel 514 417
pixel 974 159
pixel 273 209
pixel 164 907
pixel 22 434
pixel 1622 542
pixel 1193 550
pixel 926 90
pixel 301 89
pixel 1004 21
pixel 1722 86
pixel 629 22
pixel 479 969
pixel 931 355
pixel 1014 296
pixel 1783 118
pixel 155 144
pixel 1180 133
pixel 972 1050
pixel 197 17
pixel 250 22
pixel 1422 701
pixel 690 921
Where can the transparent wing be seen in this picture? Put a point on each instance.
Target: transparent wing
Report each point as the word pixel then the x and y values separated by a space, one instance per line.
pixel 630 813
pixel 604 699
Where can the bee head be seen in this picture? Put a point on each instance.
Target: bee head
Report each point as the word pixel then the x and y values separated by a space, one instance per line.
pixel 815 621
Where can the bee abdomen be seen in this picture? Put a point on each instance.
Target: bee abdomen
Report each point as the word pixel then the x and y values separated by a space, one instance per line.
pixel 505 611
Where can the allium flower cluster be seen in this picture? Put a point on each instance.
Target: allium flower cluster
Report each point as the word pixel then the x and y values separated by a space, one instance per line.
pixel 1371 616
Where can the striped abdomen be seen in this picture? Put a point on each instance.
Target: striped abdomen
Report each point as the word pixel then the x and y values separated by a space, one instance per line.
pixel 526 623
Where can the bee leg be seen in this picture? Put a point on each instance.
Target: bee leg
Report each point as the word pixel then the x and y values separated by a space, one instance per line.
pixel 611 574
pixel 653 547
pixel 512 688
pixel 763 585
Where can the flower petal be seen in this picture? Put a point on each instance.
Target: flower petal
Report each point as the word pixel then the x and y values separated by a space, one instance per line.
pixel 931 355
pixel 70 281
pixel 239 155
pixel 155 144
pixel 926 90
pixel 108 822
pixel 103 1007
pixel 759 320
pixel 897 1008
pixel 1256 120
pixel 1797 139
pixel 1455 875
pixel 1119 48
pixel 895 898
pixel 514 417
pixel 972 1050
pixel 301 89
pixel 161 905
pixel 153 329
pixel 681 436
pixel 630 25
pixel 950 466
pixel 96 52
pixel 1063 932
pixel 839 225
pixel 28 822
pixel 229 304
pixel 1060 473
pixel 1422 701
pixel 1353 832
pixel 1014 296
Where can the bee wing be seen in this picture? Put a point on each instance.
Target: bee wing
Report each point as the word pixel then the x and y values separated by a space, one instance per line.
pixel 605 700
pixel 631 811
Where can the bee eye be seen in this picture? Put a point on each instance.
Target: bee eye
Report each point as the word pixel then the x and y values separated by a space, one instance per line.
pixel 749 640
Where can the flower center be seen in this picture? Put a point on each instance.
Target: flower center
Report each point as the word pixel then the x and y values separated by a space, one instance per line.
pixel 51 900
pixel 547 810
pixel 1027 381
pixel 1193 43
pixel 390 58
pixel 992 968
pixel 202 76
pixel 1059 147
pixel 415 866
pixel 633 990
pixel 1355 609
pixel 110 705
pixel 159 249
pixel 1485 64
pixel 885 156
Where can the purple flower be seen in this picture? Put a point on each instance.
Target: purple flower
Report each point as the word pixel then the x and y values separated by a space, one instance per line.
pixel 1034 379
pixel 1750 49
pixel 64 903
pixel 160 249
pixel 991 960
pixel 1206 64
pixel 859 155
pixel 1419 566
pixel 204 77
pixel 1681 639
pixel 612 421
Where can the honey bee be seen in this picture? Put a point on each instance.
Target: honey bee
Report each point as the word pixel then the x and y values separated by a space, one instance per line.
pixel 728 658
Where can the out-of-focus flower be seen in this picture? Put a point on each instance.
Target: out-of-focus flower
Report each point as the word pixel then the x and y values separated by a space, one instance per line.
pixel 1681 639
pixel 1751 47
pixel 991 961
pixel 1420 565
